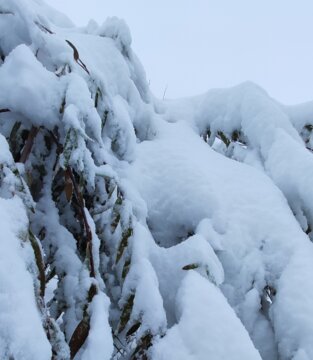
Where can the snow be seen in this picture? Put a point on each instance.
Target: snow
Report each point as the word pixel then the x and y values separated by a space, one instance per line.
pixel 60 241
pixel 190 188
pixel 53 16
pixel 28 88
pixel 99 345
pixel 195 213
pixel 292 311
pixel 143 280
pixel 21 332
pixel 116 29
pixel 207 327
pixel 77 93
pixel 5 155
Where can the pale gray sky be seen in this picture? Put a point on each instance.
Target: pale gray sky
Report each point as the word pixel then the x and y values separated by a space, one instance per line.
pixel 193 46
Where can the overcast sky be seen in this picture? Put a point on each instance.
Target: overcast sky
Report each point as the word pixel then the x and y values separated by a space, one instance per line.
pixel 191 46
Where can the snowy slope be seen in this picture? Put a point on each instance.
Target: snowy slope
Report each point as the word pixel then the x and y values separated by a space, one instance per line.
pixel 137 228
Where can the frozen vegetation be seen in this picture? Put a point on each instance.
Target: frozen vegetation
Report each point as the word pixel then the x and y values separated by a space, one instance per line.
pixel 135 228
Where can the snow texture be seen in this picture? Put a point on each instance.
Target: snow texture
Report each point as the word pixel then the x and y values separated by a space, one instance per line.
pixel 133 227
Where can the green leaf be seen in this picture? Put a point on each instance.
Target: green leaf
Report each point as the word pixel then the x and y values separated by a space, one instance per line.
pixel 224 138
pixel 104 118
pixel 62 107
pixel 98 94
pixel 127 310
pixel 115 221
pixel 69 144
pixel 123 244
pixel 235 135
pixel 140 351
pixel 14 138
pixel 190 267
pixel 125 269
pixel 133 329
pixel 39 261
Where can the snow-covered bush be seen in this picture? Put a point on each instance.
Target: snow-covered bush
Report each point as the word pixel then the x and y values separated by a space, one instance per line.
pixel 134 228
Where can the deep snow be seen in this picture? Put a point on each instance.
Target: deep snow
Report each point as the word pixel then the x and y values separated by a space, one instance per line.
pixel 199 210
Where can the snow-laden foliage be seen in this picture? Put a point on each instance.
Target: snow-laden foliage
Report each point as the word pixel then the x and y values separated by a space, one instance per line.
pixel 134 228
